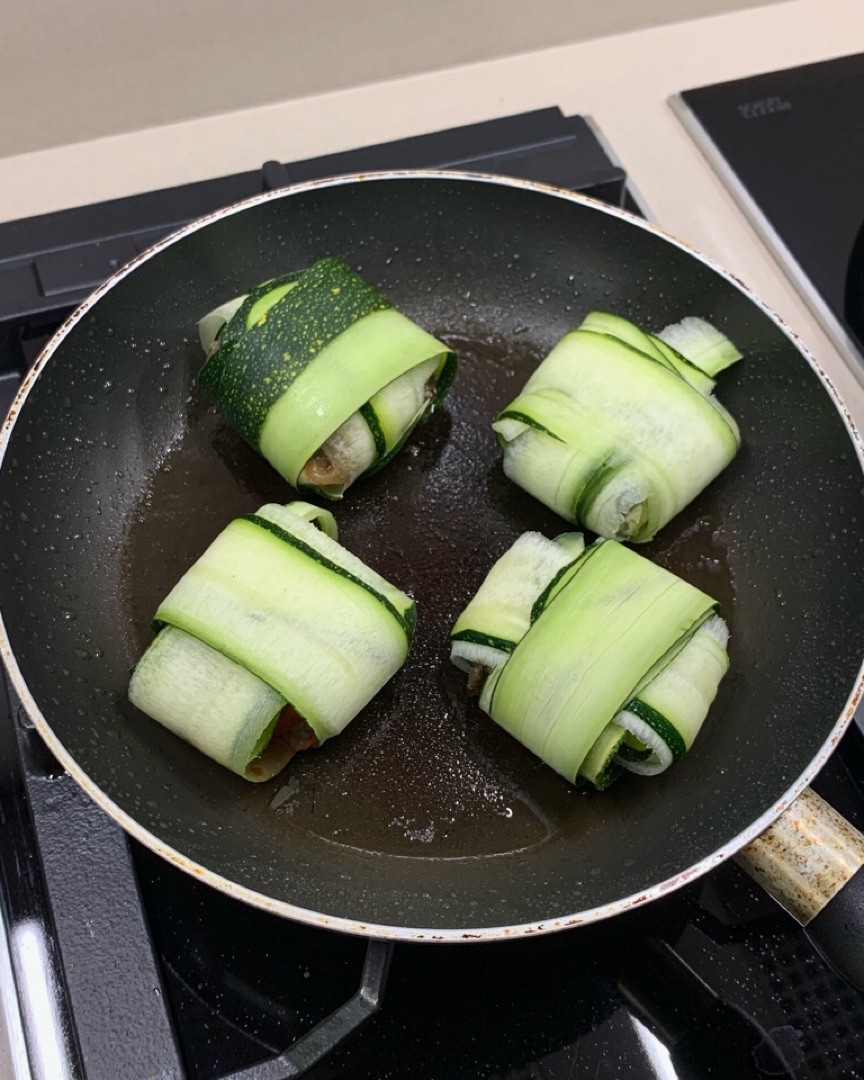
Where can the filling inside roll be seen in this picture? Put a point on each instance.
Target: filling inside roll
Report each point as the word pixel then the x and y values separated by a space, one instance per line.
pixel 351 450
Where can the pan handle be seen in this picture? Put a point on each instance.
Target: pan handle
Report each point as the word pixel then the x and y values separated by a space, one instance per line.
pixel 811 860
pixel 310 1048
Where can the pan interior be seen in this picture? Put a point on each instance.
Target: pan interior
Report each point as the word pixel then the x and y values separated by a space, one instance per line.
pixel 423 813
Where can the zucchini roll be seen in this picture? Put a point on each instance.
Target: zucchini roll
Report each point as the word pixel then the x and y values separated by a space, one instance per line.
pixel 272 641
pixel 321 375
pixel 594 659
pixel 618 430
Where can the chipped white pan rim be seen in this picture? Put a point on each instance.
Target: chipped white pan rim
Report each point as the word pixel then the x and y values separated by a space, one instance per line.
pixel 353 926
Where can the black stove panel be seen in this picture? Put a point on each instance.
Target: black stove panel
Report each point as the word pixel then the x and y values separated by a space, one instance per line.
pixel 51 263
pixel 794 140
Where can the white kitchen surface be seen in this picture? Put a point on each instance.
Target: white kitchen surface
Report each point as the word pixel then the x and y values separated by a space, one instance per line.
pixel 623 82
pixel 107 66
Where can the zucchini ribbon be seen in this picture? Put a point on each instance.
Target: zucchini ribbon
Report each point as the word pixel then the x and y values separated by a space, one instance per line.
pixel 594 659
pixel 272 641
pixel 617 430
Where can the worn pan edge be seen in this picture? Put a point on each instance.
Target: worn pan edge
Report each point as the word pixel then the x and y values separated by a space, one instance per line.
pixel 314 918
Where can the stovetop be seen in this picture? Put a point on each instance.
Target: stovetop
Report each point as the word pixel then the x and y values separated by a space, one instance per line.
pixel 790 147
pixel 128 968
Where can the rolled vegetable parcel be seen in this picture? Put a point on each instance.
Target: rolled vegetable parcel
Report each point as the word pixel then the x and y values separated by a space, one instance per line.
pixel 596 660
pixel 272 641
pixel 618 430
pixel 322 375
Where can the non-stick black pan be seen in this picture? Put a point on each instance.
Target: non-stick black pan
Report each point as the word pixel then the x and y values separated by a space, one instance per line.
pixel 423 819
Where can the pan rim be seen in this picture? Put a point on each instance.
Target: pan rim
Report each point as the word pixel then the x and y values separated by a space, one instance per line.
pixel 284 908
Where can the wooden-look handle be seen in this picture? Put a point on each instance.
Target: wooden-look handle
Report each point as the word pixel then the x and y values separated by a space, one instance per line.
pixel 811 860
pixel 806 857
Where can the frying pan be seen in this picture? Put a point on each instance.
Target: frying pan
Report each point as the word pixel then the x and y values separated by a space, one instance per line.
pixel 423 820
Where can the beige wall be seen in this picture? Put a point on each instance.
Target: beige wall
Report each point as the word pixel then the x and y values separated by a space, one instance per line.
pixel 77 69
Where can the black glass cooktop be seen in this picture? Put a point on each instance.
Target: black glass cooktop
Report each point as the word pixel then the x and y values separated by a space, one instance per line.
pixel 790 145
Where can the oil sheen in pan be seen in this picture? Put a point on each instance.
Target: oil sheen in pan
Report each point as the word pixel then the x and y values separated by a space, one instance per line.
pixel 421 772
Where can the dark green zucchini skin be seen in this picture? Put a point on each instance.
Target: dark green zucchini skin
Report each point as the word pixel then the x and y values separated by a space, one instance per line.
pixel 236 326
pixel 250 371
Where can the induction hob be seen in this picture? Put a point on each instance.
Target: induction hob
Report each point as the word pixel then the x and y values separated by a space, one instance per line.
pixel 789 145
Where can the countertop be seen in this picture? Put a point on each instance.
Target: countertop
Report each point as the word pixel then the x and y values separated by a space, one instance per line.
pixel 622 82
pixel 98 67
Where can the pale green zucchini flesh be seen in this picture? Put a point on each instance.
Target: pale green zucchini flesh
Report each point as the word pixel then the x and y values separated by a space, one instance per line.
pixel 616 432
pixel 611 640
pixel 275 612
pixel 667 713
pixel 694 375
pixel 602 765
pixel 211 327
pixel 216 705
pixel 603 322
pixel 702 344
pixel 499 614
